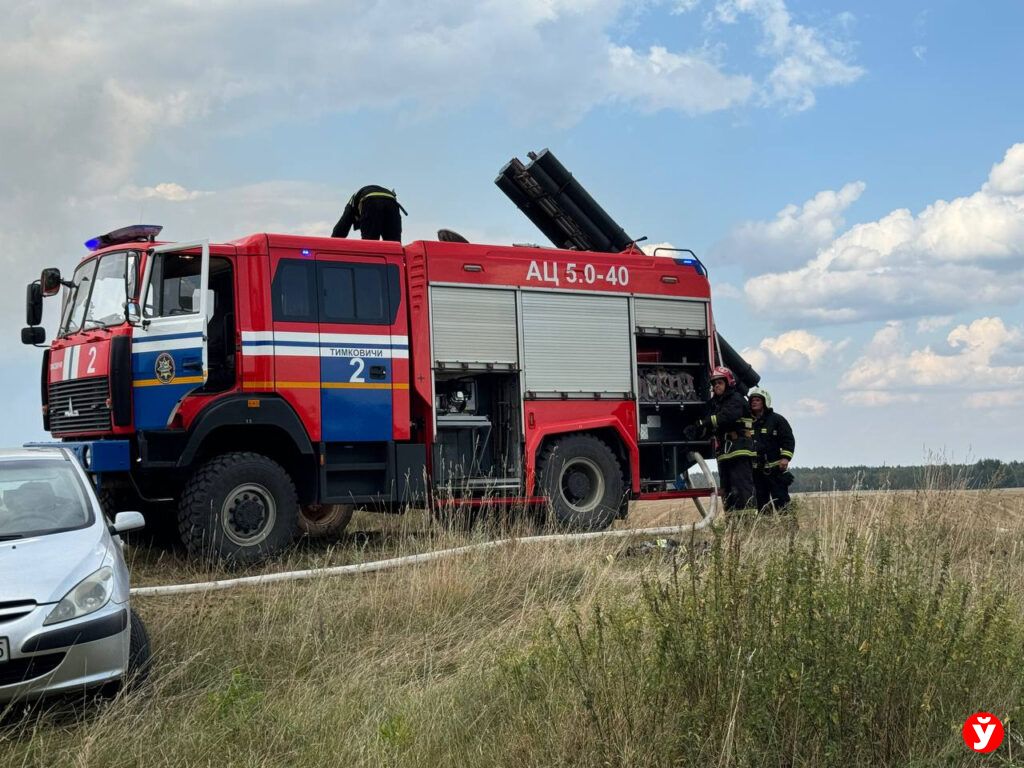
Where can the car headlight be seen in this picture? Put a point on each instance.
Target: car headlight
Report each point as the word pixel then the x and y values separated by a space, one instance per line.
pixel 90 594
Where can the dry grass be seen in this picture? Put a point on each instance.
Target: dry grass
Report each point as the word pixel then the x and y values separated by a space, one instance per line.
pixel 488 659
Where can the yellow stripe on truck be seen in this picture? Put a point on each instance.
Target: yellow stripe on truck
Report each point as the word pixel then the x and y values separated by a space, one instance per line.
pixel 179 380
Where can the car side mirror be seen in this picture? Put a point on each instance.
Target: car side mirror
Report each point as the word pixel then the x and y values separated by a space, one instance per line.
pixel 34 334
pixel 127 521
pixel 133 313
pixel 50 281
pixel 34 304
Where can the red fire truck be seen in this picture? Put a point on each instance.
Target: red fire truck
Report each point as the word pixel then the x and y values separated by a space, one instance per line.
pixel 266 385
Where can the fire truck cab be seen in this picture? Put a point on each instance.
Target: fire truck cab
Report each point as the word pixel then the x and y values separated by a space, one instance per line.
pixel 264 386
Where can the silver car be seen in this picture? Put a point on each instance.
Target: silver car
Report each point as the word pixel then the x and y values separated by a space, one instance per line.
pixel 65 622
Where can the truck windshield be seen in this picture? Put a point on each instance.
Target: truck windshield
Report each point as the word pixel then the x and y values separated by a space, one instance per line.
pixel 39 497
pixel 101 288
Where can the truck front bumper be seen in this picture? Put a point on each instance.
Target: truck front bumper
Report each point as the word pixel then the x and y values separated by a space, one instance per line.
pixel 96 456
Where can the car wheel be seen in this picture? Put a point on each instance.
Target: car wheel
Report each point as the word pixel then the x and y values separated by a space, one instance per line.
pixel 325 519
pixel 582 479
pixel 140 656
pixel 238 508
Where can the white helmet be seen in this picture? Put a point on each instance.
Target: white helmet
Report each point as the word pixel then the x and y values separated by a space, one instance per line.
pixel 763 394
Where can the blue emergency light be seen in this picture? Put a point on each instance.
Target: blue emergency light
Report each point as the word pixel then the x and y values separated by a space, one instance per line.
pixel 695 263
pixel 130 234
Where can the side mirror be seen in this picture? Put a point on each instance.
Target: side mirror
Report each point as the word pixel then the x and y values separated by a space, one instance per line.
pixel 133 313
pixel 50 282
pixel 127 521
pixel 34 334
pixel 34 304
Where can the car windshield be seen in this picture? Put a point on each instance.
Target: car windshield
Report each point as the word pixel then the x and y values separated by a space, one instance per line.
pixel 41 496
pixel 101 287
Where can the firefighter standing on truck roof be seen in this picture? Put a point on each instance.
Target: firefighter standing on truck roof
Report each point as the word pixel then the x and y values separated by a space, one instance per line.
pixel 774 444
pixel 729 422
pixel 375 212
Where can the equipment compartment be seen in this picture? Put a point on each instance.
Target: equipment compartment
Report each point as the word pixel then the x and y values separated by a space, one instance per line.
pixel 478 444
pixel 673 383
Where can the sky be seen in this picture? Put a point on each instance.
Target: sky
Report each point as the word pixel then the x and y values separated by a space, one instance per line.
pixel 852 174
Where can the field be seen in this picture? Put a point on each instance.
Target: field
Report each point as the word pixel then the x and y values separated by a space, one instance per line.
pixel 863 631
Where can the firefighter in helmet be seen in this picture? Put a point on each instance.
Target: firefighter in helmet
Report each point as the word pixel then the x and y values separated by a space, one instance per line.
pixel 375 212
pixel 774 444
pixel 728 422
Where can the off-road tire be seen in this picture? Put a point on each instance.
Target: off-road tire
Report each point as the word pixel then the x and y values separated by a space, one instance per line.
pixel 203 509
pixel 582 478
pixel 140 657
pixel 325 520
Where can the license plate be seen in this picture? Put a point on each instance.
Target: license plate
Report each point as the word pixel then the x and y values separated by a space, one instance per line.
pixel 5 650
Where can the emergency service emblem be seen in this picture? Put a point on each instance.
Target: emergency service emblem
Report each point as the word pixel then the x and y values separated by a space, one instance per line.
pixel 164 368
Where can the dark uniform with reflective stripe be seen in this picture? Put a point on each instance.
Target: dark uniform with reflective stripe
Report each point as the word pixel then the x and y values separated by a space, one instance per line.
pixel 375 212
pixel 729 421
pixel 774 441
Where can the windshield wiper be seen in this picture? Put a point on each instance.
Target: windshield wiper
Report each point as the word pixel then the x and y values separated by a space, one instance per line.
pixel 10 536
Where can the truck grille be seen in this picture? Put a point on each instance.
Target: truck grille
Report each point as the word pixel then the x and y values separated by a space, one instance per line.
pixel 79 405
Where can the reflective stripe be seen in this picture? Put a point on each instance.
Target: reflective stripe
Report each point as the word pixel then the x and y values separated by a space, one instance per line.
pixel 178 380
pixel 714 422
pixel 270 385
pixel 787 454
pixel 734 454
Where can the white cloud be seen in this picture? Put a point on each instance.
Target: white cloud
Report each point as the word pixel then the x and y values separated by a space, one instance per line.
pixel 791 351
pixel 167 190
pixel 661 79
pixel 873 399
pixel 808 406
pixel 805 59
pixel 650 248
pixel 888 371
pixel 1001 399
pixel 726 291
pixel 795 234
pixel 684 6
pixel 1007 176
pixel 962 252
pixel 927 324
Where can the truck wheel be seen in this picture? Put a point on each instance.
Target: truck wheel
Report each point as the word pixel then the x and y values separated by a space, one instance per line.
pixel 583 482
pixel 238 507
pixel 325 519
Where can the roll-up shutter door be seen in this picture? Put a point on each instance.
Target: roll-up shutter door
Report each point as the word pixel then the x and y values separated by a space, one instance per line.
pixel 674 315
pixel 576 343
pixel 474 325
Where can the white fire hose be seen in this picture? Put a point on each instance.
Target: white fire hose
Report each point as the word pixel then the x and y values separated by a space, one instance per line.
pixel 707 517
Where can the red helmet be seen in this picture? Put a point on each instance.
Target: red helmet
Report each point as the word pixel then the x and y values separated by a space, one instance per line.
pixel 721 372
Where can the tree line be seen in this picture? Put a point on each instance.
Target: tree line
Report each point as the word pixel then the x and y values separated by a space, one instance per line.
pixel 986 473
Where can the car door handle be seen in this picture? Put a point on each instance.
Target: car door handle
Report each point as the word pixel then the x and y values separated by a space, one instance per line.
pixel 378 372
pixel 192 365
